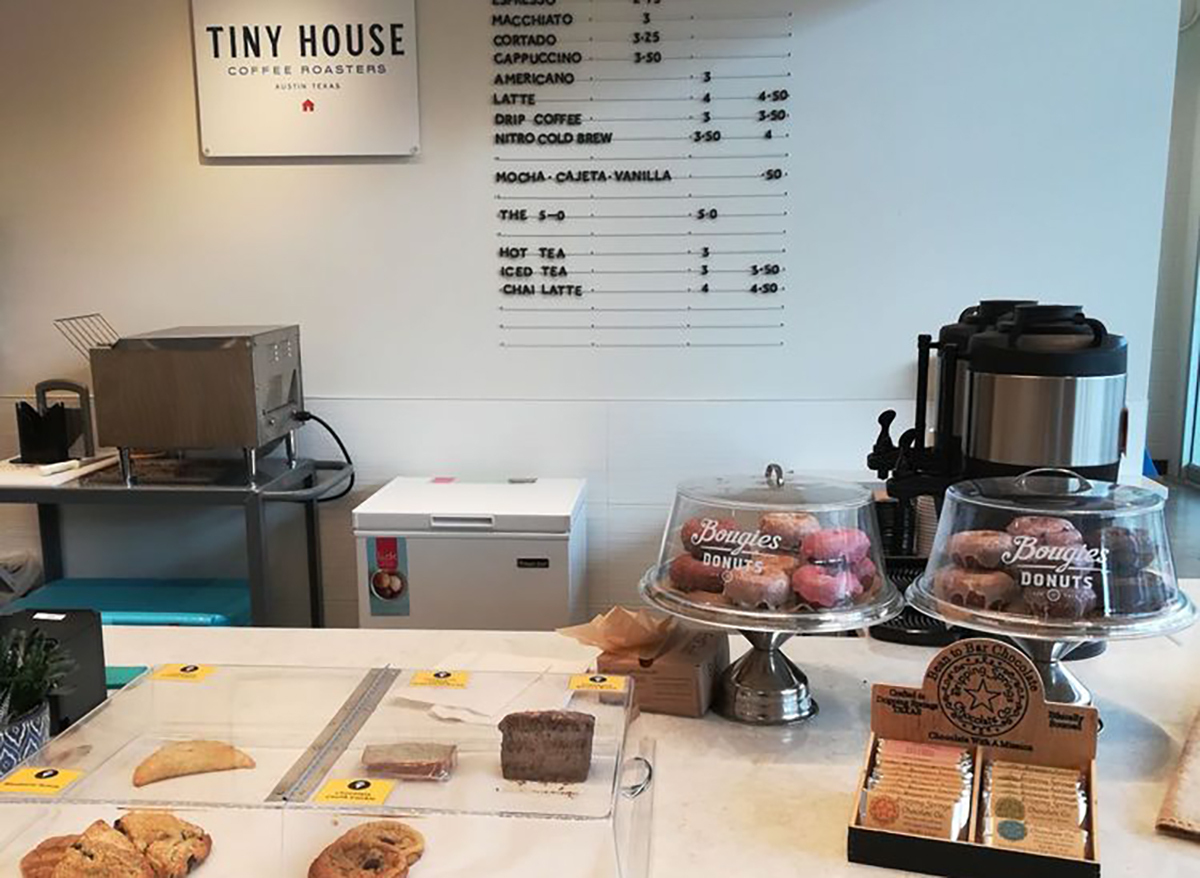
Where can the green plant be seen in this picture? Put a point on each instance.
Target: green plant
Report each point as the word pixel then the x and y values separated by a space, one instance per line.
pixel 31 667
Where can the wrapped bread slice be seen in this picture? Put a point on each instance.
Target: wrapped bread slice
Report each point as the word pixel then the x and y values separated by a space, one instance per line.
pixel 1180 814
pixel 182 758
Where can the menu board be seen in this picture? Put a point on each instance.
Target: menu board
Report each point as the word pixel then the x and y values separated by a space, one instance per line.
pixel 641 172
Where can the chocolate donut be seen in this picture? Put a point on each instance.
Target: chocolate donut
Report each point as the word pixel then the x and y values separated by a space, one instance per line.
pixel 790 527
pixel 690 574
pixel 767 589
pixel 980 549
pixel 701 535
pixel 829 586
pixel 841 545
pixel 977 589
pixel 1045 529
pixel 1063 604
pixel 1127 550
pixel 1145 592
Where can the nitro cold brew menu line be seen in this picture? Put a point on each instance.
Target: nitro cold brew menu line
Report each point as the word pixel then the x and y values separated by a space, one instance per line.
pixel 641 172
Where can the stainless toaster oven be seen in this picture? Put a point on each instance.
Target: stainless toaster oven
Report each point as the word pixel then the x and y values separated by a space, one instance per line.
pixel 199 388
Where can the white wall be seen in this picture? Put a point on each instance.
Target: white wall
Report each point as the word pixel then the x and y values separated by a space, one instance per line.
pixel 961 150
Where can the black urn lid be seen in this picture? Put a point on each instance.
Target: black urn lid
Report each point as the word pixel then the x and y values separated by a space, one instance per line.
pixel 977 319
pixel 1049 340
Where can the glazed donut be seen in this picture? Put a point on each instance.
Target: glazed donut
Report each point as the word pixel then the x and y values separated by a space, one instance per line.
pixel 766 590
pixel 1127 550
pixel 980 549
pixel 1045 529
pixel 826 586
pixel 690 574
pixel 978 589
pixel 790 527
pixel 1066 604
pixel 692 535
pixel 785 563
pixel 845 545
pixel 709 599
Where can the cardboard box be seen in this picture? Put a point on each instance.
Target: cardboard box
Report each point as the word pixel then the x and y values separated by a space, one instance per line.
pixel 681 680
pixel 985 696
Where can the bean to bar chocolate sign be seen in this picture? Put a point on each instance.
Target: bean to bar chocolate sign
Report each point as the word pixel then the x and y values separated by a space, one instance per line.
pixel 642 159
pixel 306 77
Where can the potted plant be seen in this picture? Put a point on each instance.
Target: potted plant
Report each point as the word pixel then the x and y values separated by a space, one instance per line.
pixel 32 666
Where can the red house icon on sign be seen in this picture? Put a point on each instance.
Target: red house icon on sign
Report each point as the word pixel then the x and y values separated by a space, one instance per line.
pixel 308 106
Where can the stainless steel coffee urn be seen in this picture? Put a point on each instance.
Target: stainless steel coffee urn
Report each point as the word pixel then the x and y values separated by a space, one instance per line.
pixel 1019 385
pixel 1046 388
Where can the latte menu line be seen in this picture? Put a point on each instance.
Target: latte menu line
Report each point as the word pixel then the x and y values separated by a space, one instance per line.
pixel 641 171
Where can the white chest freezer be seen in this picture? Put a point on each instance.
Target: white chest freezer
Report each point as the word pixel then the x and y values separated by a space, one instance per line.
pixel 440 553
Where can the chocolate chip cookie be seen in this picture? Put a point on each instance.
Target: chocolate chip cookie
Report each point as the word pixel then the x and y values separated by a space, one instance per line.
pixel 381 849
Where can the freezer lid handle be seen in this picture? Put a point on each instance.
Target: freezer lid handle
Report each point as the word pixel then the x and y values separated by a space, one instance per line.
pixel 462 522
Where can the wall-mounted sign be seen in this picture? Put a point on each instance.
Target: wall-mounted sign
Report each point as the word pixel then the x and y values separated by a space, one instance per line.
pixel 306 77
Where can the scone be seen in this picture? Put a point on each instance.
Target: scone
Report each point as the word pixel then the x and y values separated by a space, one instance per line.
pixel 181 758
pixel 40 862
pixel 173 847
pixel 381 849
pixel 102 852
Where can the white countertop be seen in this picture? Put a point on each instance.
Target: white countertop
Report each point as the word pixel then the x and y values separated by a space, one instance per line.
pixel 732 799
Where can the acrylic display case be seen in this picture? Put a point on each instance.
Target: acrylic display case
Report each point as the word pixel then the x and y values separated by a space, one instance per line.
pixel 306 730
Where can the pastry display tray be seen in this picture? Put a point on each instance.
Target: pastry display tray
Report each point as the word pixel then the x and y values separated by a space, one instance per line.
pixel 276 843
pixel 305 729
pixel 407 710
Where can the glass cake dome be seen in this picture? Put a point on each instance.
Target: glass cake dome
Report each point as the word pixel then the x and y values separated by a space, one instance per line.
pixel 769 553
pixel 1051 555
pixel 771 556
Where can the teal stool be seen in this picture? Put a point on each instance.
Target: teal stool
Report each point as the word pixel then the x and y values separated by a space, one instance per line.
pixel 180 602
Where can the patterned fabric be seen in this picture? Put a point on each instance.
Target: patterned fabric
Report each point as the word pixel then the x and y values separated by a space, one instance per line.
pixel 23 738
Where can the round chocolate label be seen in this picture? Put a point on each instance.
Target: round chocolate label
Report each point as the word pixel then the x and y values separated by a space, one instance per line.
pixel 985 696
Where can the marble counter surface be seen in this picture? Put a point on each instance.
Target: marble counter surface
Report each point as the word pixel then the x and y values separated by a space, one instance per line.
pixel 734 800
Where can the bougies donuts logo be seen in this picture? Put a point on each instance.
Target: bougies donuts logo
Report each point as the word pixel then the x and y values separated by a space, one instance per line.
pixel 983 694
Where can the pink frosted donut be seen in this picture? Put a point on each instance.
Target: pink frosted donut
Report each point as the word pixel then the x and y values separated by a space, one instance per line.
pixel 826 586
pixel 1046 529
pixel 865 570
pixel 689 574
pixel 847 545
pixel 766 590
pixel 790 527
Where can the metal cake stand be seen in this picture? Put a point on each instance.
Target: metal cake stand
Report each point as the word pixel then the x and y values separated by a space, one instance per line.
pixel 764 687
pixel 1049 642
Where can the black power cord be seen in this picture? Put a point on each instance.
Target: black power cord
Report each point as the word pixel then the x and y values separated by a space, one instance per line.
pixel 309 416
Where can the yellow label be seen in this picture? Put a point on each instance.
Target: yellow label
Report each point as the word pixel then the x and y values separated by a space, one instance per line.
pixel 183 673
pixel 598 683
pixel 39 781
pixel 441 679
pixel 355 791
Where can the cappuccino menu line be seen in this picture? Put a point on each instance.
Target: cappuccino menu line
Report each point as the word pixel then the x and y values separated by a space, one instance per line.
pixel 641 169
